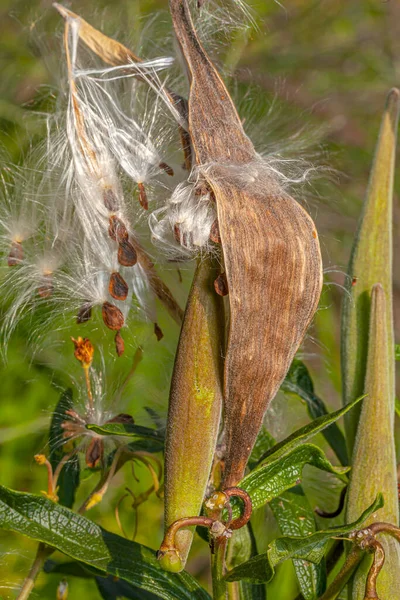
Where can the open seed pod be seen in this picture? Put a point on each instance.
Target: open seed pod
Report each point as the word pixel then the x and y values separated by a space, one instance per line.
pixel 270 249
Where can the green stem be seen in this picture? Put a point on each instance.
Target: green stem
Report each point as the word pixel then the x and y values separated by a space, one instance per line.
pixel 42 553
pixel 219 585
pixel 344 575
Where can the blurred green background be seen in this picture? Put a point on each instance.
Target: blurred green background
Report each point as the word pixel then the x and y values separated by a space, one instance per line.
pixel 316 72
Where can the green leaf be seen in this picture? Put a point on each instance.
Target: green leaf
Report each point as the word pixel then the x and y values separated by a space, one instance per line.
pixel 397 351
pixel 68 480
pixel 81 539
pixel 275 476
pixel 305 433
pixel 264 442
pixel 127 430
pixel 295 517
pixel 299 382
pixel 310 548
pixel 370 263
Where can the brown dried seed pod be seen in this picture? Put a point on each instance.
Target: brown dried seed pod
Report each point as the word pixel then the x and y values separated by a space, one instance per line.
pixel 117 286
pixel 144 203
pixel 84 314
pixel 16 254
pixel 117 230
pixel 221 285
pixel 119 344
pixel 127 256
pixel 270 248
pixel 94 453
pixel 169 170
pixel 112 316
pixel 214 233
pixel 110 199
pixel 158 332
pixel 46 289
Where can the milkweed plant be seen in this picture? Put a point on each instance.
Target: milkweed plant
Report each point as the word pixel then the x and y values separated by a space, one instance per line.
pixel 148 177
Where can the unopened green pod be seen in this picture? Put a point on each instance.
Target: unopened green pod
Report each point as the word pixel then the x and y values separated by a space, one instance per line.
pixel 194 407
pixel 374 455
pixel 370 262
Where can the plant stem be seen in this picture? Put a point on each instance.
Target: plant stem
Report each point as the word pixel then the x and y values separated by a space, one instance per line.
pixel 344 575
pixel 42 553
pixel 217 570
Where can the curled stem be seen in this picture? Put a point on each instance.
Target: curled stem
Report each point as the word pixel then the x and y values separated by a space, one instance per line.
pixel 379 559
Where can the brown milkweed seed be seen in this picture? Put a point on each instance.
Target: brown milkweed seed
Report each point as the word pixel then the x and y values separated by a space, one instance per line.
pixel 119 344
pixel 112 316
pixel 16 254
pixel 158 332
pixel 221 285
pixel 122 418
pixel 118 287
pixel 127 256
pixel 144 203
pixel 169 170
pixel 94 453
pixel 117 230
pixel 46 289
pixel 84 314
pixel 214 233
pixel 110 199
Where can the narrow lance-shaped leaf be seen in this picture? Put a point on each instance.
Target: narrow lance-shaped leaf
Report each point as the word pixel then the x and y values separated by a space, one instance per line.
pixel 194 407
pixel 311 548
pixel 299 382
pixel 295 517
pixel 270 248
pixel 81 539
pixel 371 261
pixel 374 454
pixel 68 480
pixel 275 476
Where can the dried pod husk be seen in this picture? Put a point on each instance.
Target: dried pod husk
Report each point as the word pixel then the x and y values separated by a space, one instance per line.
pixel 127 256
pixel 270 248
pixel 373 467
pixel 119 344
pixel 117 230
pixel 94 453
pixel 16 254
pixel 371 261
pixel 118 287
pixel 194 406
pixel 112 316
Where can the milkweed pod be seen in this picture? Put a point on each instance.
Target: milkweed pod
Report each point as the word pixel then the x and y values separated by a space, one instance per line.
pixel 371 261
pixel 270 247
pixel 194 408
pixel 374 457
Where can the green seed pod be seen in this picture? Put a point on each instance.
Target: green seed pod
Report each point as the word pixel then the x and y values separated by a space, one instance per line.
pixel 374 455
pixel 371 261
pixel 194 407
